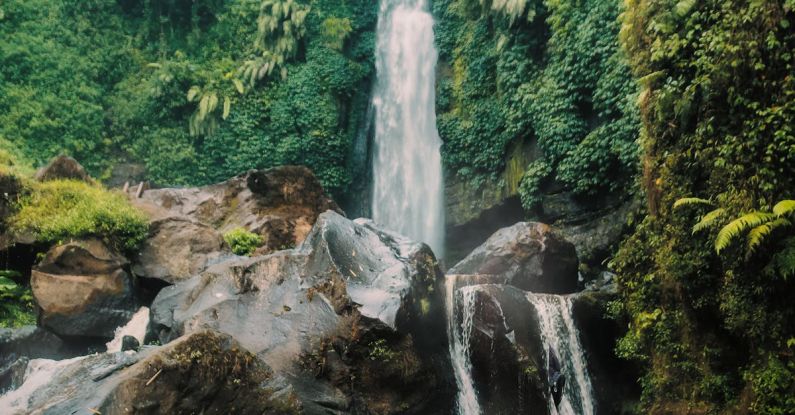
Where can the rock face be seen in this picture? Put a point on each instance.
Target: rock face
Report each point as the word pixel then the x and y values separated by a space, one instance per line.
pixel 352 317
pixel 204 372
pixel 529 255
pixel 32 342
pixel 178 248
pixel 279 204
pixel 82 289
pixel 614 379
pixel 63 167
pixel 506 351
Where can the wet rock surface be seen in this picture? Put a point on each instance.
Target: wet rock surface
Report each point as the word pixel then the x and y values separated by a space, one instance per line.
pixel 531 256
pixel 82 289
pixel 352 317
pixel 506 352
pixel 204 372
pixel 187 224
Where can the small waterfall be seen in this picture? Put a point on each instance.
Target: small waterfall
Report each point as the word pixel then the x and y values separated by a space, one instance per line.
pixel 560 335
pixel 407 168
pixel 458 339
pixel 136 327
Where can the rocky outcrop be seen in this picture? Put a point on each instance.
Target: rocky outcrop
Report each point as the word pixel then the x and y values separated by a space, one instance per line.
pixel 352 317
pixel 529 255
pixel 82 289
pixel 63 167
pixel 178 248
pixel 204 372
pixel 32 342
pixel 279 204
pixel 614 380
pixel 506 351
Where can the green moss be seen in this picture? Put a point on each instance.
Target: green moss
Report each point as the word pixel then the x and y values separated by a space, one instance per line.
pixel 242 241
pixel 59 210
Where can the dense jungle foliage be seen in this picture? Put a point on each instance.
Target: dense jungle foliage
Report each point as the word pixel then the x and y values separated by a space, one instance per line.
pixel 708 276
pixel 549 72
pixel 197 91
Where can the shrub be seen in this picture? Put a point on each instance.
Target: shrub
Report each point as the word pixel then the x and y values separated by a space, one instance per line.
pixel 16 301
pixel 242 241
pixel 58 210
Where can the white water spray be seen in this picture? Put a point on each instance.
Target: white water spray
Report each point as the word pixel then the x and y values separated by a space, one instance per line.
pixel 559 334
pixel 407 168
pixel 136 327
pixel 458 333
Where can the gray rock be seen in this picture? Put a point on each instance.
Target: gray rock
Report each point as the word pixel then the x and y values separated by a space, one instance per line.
pixel 129 343
pixel 529 255
pixel 204 372
pixel 82 289
pixel 178 248
pixel 30 341
pixel 352 317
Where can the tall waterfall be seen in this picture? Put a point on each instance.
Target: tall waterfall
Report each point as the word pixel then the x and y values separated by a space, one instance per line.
pixel 458 333
pixel 559 334
pixel 407 169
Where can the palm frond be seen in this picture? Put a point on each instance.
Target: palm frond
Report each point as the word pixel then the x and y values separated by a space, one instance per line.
pixel 758 234
pixel 708 219
pixel 686 201
pixel 738 226
pixel 784 208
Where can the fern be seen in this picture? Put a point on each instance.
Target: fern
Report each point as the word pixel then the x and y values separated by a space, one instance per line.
pixel 708 220
pixel 758 234
pixel 783 262
pixel 738 226
pixel 784 208
pixel 687 201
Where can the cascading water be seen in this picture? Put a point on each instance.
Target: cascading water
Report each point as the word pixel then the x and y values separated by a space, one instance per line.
pixel 559 335
pixel 458 333
pixel 407 169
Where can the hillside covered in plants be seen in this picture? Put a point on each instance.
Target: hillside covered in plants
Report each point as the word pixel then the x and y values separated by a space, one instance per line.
pixel 655 140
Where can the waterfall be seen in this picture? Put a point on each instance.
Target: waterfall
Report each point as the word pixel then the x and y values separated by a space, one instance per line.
pixel 559 334
pixel 407 168
pixel 136 327
pixel 458 333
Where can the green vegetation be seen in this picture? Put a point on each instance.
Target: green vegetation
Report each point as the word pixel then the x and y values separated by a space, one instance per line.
pixel 713 330
pixel 58 210
pixel 548 72
pixel 16 301
pixel 242 241
pixel 197 91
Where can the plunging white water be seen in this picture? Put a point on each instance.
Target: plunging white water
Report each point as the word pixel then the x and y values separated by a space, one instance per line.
pixel 458 333
pixel 559 334
pixel 136 327
pixel 407 168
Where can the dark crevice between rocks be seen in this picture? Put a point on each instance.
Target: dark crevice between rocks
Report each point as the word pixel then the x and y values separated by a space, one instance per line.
pixel 461 239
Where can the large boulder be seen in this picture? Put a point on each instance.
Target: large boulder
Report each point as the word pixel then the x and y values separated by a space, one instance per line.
pixel 178 248
pixel 204 372
pixel 529 255
pixel 279 204
pixel 63 167
pixel 353 318
pixel 505 349
pixel 614 380
pixel 82 289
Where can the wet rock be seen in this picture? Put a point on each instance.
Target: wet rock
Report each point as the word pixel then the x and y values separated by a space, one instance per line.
pixel 178 248
pixel 352 318
pixel 63 167
pixel 82 289
pixel 32 342
pixel 530 255
pixel 205 372
pixel 279 204
pixel 505 350
pixel 614 380
pixel 129 343
pixel 13 374
pixel 598 236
